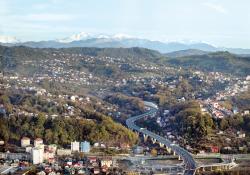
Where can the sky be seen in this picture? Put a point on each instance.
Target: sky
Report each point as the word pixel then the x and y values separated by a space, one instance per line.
pixel 223 23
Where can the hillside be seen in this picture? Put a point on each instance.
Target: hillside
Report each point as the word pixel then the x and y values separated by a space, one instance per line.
pixel 188 52
pixel 12 59
pixel 217 61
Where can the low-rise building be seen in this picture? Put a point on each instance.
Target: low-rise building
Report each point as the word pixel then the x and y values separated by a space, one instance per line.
pixel 25 141
pixel 63 152
pixel 75 146
pixel 38 141
pixel 106 162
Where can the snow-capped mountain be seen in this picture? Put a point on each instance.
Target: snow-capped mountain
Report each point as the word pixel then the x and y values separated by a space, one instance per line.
pixel 75 37
pixel 8 39
pixel 85 36
pixel 121 36
pixel 84 39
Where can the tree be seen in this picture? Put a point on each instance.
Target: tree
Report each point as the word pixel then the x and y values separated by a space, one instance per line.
pixel 4 99
pixel 4 131
pixel 223 124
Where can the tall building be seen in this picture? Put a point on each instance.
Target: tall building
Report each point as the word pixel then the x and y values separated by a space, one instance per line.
pixel 75 146
pixel 37 155
pixel 85 147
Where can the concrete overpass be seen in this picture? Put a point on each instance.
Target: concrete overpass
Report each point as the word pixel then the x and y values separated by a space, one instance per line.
pixel 190 165
pixel 189 162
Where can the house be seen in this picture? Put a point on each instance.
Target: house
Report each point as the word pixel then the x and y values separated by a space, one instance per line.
pixel 96 170
pixel 92 159
pixel 25 141
pixel 38 141
pixel 241 135
pixel 124 146
pixel 63 152
pixel 214 149
pixel 73 98
pixel 1 142
pixel 106 162
pixel 246 112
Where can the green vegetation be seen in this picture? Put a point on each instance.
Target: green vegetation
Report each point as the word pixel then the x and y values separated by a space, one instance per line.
pixel 132 105
pixel 10 57
pixel 189 120
pixel 242 101
pixel 91 125
pixel 64 130
pixel 218 61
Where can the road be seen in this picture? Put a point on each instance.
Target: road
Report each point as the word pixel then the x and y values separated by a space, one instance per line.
pixel 189 162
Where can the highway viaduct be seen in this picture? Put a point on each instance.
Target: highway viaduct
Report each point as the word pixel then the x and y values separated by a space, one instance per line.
pixel 190 165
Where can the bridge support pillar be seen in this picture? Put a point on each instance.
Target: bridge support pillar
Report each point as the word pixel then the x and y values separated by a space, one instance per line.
pixel 203 169
pixel 161 145
pixel 168 150
pixel 179 158
pixel 198 170
pixel 145 137
pixel 153 140
pixel 174 153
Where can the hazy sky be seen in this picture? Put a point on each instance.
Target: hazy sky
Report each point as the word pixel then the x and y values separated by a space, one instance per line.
pixel 218 22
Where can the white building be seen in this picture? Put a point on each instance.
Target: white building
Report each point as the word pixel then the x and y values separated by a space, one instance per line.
pixel 37 155
pixel 28 149
pixel 75 146
pixel 106 162
pixel 63 152
pixel 25 141
pixel 38 141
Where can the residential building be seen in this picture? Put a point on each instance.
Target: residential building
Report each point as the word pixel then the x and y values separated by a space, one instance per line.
pixel 85 147
pixel 106 162
pixel 37 155
pixel 63 152
pixel 25 141
pixel 38 141
pixel 75 146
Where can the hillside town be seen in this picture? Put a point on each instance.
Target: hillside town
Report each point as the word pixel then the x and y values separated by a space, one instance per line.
pixel 71 88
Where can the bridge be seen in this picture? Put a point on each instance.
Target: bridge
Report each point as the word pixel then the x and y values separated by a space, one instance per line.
pixel 190 164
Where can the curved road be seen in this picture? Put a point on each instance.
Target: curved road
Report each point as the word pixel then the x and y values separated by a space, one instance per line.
pixel 190 164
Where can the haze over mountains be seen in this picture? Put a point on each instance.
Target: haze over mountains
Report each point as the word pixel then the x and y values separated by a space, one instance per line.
pixel 119 40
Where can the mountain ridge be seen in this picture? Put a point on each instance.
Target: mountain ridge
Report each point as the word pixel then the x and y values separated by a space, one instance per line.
pixel 11 57
pixel 122 40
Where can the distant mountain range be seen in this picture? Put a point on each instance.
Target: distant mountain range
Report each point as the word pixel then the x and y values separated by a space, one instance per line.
pixel 119 40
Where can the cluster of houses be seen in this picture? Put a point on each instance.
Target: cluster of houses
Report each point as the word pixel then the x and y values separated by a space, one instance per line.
pixel 218 111
pixel 50 159
pixel 40 152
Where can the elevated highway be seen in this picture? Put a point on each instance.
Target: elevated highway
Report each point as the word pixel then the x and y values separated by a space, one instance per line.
pixel 188 160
